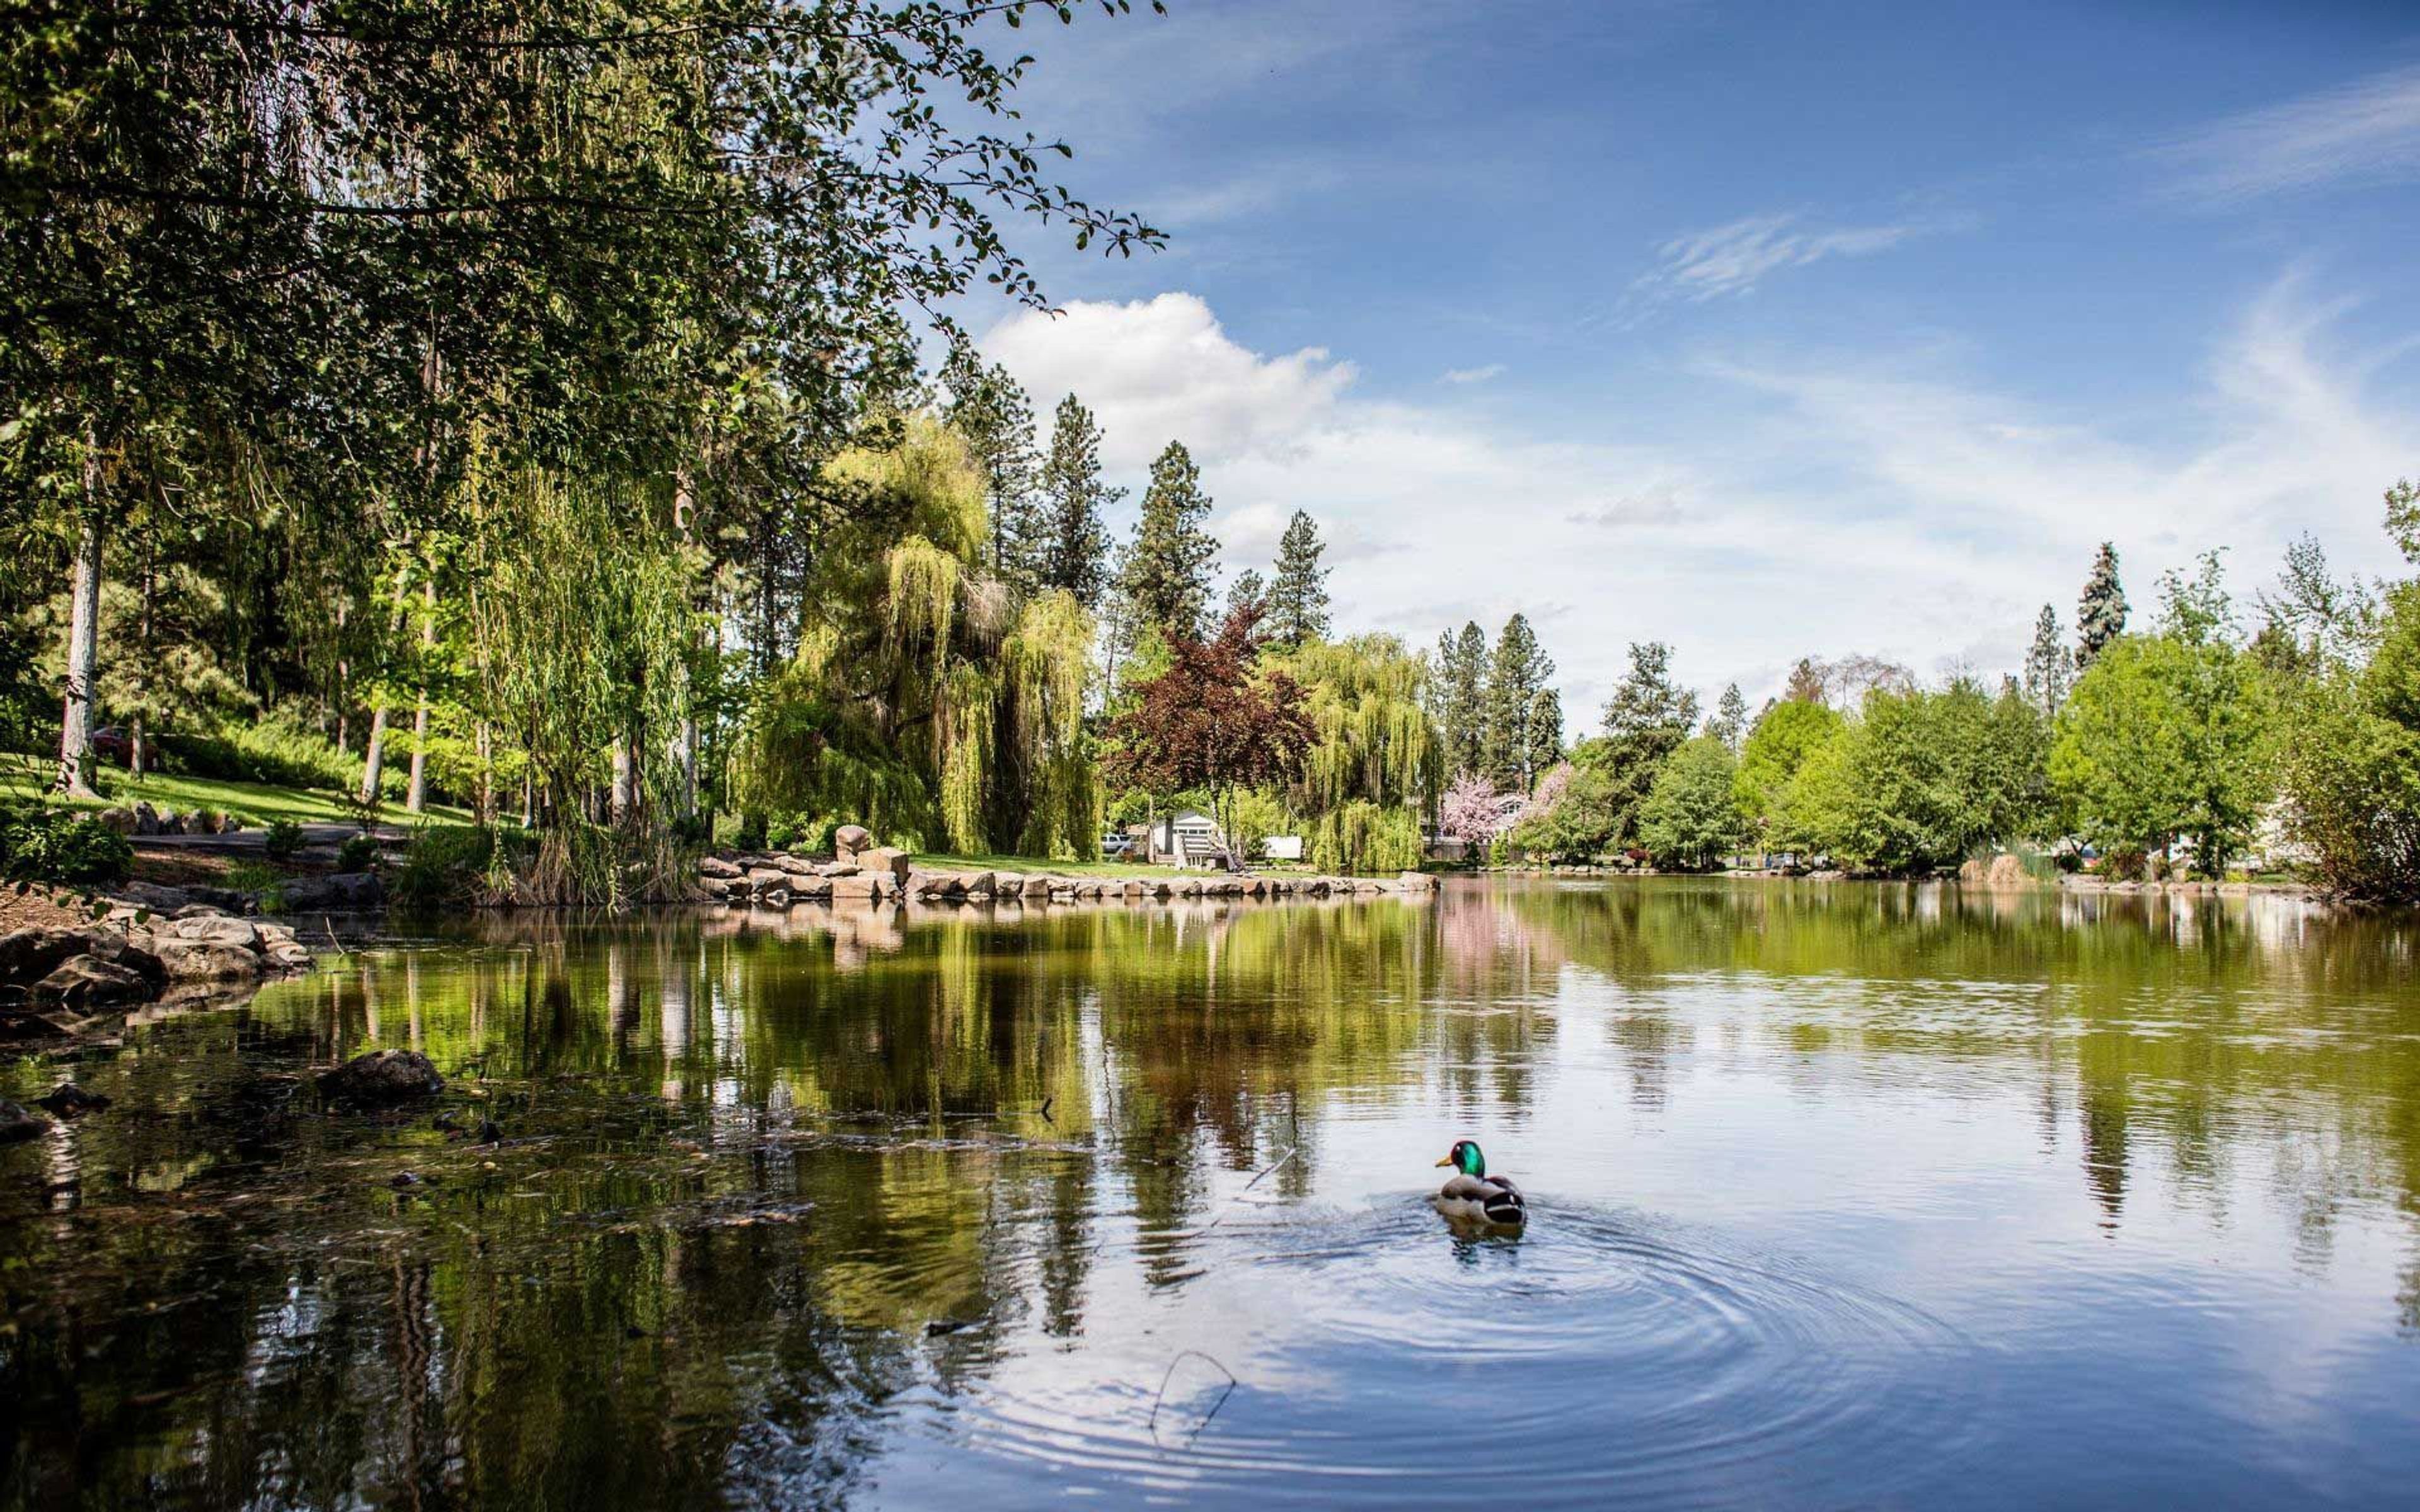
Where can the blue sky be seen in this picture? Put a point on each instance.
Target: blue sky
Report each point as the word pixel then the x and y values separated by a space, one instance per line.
pixel 1765 330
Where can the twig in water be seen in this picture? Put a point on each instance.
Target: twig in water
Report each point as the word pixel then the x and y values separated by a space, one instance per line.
pixel 1171 1375
pixel 1291 1152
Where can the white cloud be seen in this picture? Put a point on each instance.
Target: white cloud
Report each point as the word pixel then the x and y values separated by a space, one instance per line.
pixel 1163 369
pixel 1820 502
pixel 2368 131
pixel 1658 505
pixel 1471 374
pixel 1732 259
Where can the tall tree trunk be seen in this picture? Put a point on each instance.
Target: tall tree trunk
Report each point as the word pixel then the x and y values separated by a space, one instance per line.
pixel 486 774
pixel 135 752
pixel 374 752
pixel 373 755
pixel 684 508
pixel 416 797
pixel 344 680
pixel 84 647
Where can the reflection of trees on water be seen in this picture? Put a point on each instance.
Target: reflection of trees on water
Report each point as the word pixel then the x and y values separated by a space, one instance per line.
pixel 2209 1029
pixel 745 1167
pixel 754 1156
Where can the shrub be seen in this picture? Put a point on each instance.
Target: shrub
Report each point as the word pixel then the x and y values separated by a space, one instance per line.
pixel 360 852
pixel 273 750
pixel 262 881
pixel 446 864
pixel 58 846
pixel 2124 863
pixel 285 838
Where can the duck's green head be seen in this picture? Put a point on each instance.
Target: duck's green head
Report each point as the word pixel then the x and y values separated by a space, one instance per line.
pixel 1464 1157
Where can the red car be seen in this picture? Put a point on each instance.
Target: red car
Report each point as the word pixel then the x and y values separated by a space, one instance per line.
pixel 112 744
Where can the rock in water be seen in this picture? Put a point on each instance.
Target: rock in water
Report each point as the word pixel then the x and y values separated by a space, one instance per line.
pixel 88 982
pixel 888 860
pixel 382 1079
pixel 337 892
pixel 69 1101
pixel 16 1124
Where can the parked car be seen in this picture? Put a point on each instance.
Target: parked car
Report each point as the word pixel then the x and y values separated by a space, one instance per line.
pixel 1115 843
pixel 111 743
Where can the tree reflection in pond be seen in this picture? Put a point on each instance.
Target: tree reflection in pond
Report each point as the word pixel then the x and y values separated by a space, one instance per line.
pixel 776 1189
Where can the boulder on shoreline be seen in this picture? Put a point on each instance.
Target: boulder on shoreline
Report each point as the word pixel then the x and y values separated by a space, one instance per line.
pixel 340 892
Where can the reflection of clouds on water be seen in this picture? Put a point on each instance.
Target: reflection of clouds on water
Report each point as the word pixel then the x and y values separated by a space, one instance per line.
pixel 886 1208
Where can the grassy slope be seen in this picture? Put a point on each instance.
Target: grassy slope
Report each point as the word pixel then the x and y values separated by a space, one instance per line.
pixel 24 778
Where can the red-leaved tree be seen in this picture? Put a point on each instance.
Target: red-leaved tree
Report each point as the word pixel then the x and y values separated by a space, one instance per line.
pixel 1210 723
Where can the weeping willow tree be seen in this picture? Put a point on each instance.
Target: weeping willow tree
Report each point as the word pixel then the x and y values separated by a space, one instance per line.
pixel 926 702
pixel 1376 761
pixel 579 612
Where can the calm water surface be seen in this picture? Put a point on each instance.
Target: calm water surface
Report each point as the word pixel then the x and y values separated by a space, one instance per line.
pixel 1844 1197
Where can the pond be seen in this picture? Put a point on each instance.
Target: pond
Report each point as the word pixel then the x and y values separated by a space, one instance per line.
pixel 1842 1195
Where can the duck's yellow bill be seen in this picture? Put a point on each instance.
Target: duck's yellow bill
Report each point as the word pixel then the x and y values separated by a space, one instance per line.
pixel 1447 1160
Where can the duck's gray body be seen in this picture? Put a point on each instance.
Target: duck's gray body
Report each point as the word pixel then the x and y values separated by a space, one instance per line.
pixel 1483 1199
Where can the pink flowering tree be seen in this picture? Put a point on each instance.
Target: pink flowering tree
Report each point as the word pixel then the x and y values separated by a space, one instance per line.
pixel 1472 810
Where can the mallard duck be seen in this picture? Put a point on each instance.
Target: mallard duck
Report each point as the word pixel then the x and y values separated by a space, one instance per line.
pixel 1473 1196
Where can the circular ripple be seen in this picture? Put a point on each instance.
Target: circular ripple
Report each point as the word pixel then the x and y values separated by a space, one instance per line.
pixel 1595 1358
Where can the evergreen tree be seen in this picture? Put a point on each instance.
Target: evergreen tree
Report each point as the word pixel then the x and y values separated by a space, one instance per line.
pixel 1250 591
pixel 1074 551
pixel 1298 598
pixel 1546 732
pixel 1645 721
pixel 1729 722
pixel 2049 667
pixel 1166 568
pixel 1516 675
pixel 2100 614
pixel 990 411
pixel 1805 683
pixel 1458 688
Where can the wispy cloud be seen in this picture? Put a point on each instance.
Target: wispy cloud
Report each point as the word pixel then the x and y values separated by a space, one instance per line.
pixel 1659 504
pixel 1471 374
pixel 2366 131
pixel 1733 259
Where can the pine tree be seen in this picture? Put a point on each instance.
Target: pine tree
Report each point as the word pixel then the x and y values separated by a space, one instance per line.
pixel 991 411
pixel 1514 676
pixel 1299 597
pixel 1457 689
pixel 1805 683
pixel 1729 721
pixel 1249 592
pixel 1645 721
pixel 1074 551
pixel 1167 568
pixel 2100 614
pixel 1545 731
pixel 2049 667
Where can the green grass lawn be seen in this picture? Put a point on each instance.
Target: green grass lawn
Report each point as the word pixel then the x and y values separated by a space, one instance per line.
pixel 26 778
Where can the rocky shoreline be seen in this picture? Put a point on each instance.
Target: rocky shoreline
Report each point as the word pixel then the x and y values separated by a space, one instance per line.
pixel 57 982
pixel 859 871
